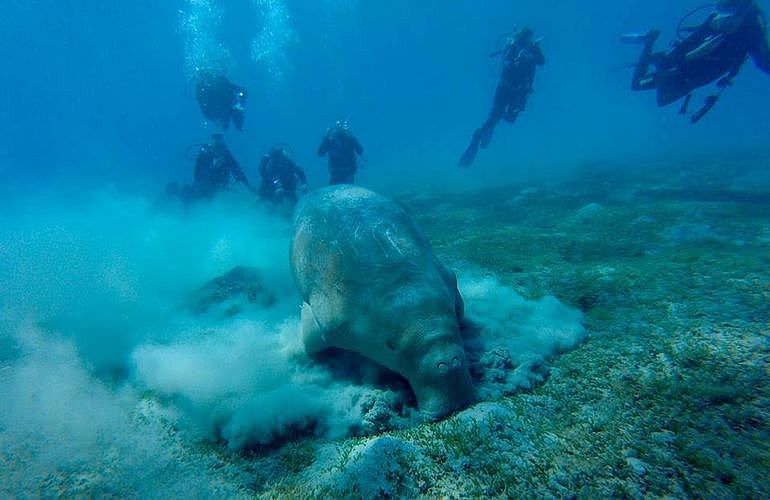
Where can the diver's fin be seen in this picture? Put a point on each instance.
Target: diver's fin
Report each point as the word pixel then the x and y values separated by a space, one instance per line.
pixel 633 38
pixel 466 160
pixel 710 102
pixel 640 38
pixel 685 104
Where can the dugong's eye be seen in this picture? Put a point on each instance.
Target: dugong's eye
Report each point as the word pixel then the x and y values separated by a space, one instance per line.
pixel 443 367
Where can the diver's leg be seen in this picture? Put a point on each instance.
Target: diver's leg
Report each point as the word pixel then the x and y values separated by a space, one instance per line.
pixel 495 115
pixel 511 113
pixel 483 135
pixel 486 130
pixel 642 79
pixel 470 152
pixel 515 106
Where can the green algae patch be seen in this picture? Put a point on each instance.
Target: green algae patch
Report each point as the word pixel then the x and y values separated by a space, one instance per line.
pixel 670 395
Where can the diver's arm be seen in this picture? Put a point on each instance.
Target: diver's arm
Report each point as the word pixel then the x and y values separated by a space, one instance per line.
pixel 237 172
pixel 357 147
pixel 240 176
pixel 266 181
pixel 262 169
pixel 299 173
pixel 263 165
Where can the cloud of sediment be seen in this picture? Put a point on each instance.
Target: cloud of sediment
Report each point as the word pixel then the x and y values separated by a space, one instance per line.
pixel 104 363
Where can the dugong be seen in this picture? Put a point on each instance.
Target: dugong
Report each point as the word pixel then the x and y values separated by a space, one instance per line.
pixel 371 284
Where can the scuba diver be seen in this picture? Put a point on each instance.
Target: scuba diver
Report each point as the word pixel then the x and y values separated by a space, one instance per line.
pixel 521 57
pixel 215 169
pixel 712 51
pixel 281 177
pixel 220 100
pixel 343 148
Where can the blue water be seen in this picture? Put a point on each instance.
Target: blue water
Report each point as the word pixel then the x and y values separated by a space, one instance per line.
pixel 101 364
pixel 99 93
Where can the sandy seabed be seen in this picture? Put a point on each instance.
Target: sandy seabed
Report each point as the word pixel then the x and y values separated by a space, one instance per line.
pixel 668 396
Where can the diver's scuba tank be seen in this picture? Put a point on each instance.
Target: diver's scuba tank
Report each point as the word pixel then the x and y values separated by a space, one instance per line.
pixel 706 48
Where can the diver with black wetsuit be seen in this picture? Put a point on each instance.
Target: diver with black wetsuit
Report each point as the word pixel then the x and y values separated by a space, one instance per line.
pixel 343 149
pixel 281 177
pixel 521 58
pixel 220 100
pixel 215 169
pixel 713 51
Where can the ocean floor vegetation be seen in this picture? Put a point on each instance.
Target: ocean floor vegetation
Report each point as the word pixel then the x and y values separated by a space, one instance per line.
pixel 659 274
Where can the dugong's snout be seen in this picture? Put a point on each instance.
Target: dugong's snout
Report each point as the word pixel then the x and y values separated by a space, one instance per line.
pixel 443 384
